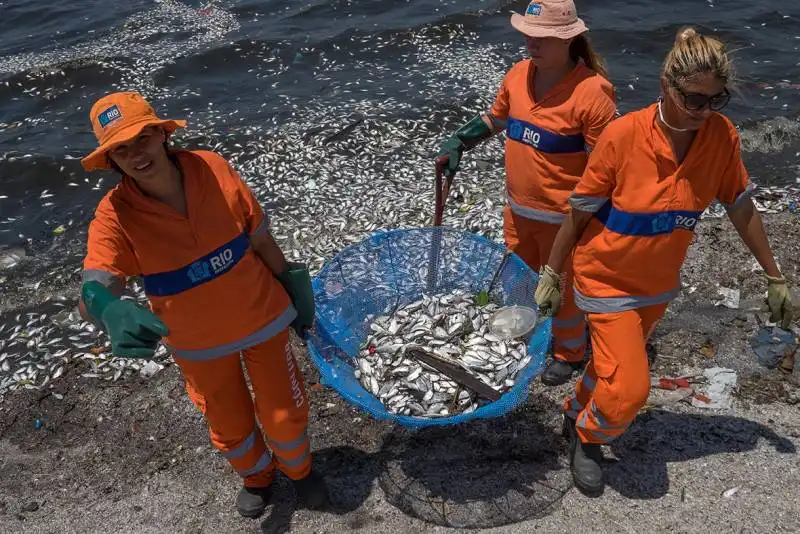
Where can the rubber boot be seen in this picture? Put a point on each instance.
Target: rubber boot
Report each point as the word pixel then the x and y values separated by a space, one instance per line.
pixel 584 461
pixel 559 372
pixel 311 492
pixel 251 502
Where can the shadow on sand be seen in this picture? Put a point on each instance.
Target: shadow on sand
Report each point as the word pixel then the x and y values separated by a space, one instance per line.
pixel 490 473
pixel 476 475
pixel 660 437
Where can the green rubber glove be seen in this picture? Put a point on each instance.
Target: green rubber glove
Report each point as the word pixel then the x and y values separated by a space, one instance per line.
pixel 779 301
pixel 548 291
pixel 465 138
pixel 134 331
pixel 296 280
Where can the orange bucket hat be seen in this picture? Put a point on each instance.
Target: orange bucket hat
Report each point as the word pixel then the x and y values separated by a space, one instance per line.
pixel 550 18
pixel 118 118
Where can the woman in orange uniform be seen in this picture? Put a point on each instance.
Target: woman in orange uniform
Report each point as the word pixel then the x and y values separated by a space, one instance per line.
pixel 553 107
pixel 652 174
pixel 218 288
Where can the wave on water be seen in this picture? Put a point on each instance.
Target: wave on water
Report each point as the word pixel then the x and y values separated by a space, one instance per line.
pixel 149 40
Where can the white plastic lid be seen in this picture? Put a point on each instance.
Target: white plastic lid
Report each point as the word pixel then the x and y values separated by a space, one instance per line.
pixel 513 321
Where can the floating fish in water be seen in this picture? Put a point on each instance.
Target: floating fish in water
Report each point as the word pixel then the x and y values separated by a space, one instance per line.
pixel 451 327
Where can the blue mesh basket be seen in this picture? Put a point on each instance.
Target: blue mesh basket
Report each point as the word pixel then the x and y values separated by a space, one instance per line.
pixel 391 268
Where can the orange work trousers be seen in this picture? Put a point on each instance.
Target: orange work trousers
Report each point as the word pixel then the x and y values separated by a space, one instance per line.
pixel 616 382
pixel 532 240
pixel 218 388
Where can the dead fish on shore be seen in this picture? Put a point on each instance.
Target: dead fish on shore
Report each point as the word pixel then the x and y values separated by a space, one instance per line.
pixel 36 348
pixel 450 326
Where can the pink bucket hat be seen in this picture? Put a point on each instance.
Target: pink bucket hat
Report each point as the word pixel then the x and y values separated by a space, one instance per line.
pixel 549 18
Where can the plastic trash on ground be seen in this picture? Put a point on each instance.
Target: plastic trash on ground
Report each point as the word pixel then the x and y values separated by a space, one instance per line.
pixel 665 391
pixel 717 394
pixel 150 368
pixel 730 297
pixel 772 345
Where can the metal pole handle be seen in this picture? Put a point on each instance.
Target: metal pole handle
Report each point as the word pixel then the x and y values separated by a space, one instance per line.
pixel 442 191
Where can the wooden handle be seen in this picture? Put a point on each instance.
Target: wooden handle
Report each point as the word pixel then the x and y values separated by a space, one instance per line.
pixel 442 191
pixel 438 208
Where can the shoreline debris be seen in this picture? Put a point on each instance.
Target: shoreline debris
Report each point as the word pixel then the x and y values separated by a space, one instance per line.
pixel 730 297
pixel 717 394
pixel 772 345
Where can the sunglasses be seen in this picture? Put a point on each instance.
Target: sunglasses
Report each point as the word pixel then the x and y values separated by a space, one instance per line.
pixel 697 101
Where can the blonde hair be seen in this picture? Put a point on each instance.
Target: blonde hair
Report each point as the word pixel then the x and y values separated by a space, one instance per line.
pixel 581 48
pixel 694 54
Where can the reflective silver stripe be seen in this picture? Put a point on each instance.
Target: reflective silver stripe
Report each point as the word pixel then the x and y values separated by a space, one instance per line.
pixel 290 446
pixel 581 422
pixel 294 462
pixel 602 420
pixel 261 228
pixel 262 464
pixel 551 217
pixel 572 343
pixel 589 382
pixel 617 304
pixel 243 447
pixel 104 277
pixel 600 436
pixel 271 330
pixel 744 195
pixel 572 322
pixel 575 407
pixel 587 203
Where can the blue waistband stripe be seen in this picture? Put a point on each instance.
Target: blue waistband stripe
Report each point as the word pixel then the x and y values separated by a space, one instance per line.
pixel 647 224
pixel 544 140
pixel 213 265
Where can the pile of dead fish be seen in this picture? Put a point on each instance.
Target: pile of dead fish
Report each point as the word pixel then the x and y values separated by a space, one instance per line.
pixel 36 348
pixel 453 328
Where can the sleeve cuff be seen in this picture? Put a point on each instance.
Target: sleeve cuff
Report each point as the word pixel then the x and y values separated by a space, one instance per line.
pixel 587 203
pixel 498 123
pixel 106 278
pixel 740 199
pixel 262 227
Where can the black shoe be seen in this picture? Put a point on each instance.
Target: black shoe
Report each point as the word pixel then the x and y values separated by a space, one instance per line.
pixel 651 354
pixel 559 372
pixel 584 461
pixel 251 502
pixel 311 492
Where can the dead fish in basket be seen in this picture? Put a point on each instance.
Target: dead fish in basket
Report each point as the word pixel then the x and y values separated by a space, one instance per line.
pixel 450 327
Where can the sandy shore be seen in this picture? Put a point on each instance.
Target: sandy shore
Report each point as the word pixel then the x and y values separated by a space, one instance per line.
pixel 134 455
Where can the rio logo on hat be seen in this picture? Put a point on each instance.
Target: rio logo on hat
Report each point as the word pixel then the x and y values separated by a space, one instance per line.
pixel 109 115
pixel 534 9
